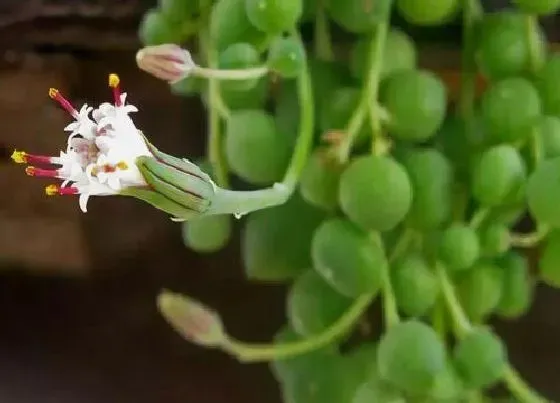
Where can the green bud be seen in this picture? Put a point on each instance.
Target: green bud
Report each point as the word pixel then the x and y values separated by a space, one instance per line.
pixel 191 319
pixel 180 188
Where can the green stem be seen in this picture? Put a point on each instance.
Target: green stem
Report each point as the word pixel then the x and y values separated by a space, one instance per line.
pixel 402 244
pixel 306 128
pixel 323 44
pixel 472 10
pixel 240 74
pixel 461 322
pixel 369 95
pixel 265 352
pixel 478 217
pixel 519 388
pixel 528 240
pixel 536 146
pixel 476 397
pixel 516 385
pixel 535 55
pixel 438 319
pixel 390 309
pixel 215 138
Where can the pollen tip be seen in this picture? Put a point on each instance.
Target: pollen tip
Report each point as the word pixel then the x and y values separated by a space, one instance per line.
pixel 123 166
pixel 19 157
pixel 51 190
pixel 53 93
pixel 114 80
pixel 30 171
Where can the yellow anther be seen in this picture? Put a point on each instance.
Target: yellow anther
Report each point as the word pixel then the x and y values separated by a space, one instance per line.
pixel 122 165
pixel 51 190
pixel 19 157
pixel 53 93
pixel 114 80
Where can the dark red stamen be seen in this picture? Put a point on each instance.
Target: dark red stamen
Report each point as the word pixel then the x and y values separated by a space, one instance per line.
pixel 114 83
pixel 43 173
pixel 66 105
pixel 53 190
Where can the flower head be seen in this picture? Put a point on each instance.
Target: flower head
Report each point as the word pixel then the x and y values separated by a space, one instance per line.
pixel 101 152
pixel 167 62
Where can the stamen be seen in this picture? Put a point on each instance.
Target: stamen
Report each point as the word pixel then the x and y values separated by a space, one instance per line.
pixel 114 83
pixel 123 166
pixel 66 105
pixel 43 173
pixel 55 190
pixel 109 168
pixel 21 157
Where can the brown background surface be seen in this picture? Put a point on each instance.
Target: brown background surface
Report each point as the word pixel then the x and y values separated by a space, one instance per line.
pixel 77 313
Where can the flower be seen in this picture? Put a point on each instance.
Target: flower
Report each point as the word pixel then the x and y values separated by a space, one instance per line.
pixel 101 153
pixel 167 62
pixel 106 154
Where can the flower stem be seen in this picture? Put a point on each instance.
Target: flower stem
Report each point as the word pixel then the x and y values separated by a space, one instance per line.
pixel 438 318
pixel 240 203
pixel 390 309
pixel 519 388
pixel 536 146
pixel 535 56
pixel 306 128
pixel 516 385
pixel 478 217
pixel 461 322
pixel 528 240
pixel 215 138
pixel 369 96
pixel 240 74
pixel 323 44
pixel 472 12
pixel 265 352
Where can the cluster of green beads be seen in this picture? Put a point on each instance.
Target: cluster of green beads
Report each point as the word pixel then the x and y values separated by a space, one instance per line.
pixel 401 197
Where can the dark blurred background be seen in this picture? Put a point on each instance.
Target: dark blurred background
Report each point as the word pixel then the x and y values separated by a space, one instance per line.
pixel 77 315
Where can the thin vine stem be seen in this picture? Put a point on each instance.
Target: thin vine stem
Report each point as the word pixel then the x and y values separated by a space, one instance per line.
pixel 231 75
pixel 533 39
pixel 479 217
pixel 528 240
pixel 472 12
pixel 323 43
pixel 246 352
pixel 306 126
pixel 368 101
pixel 516 385
pixel 266 352
pixel 215 110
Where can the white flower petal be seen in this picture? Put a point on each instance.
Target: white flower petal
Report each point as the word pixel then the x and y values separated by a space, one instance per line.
pixel 84 197
pixel 114 183
pixel 71 127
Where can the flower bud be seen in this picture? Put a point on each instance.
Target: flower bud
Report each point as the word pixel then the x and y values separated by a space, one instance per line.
pixel 167 62
pixel 191 319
